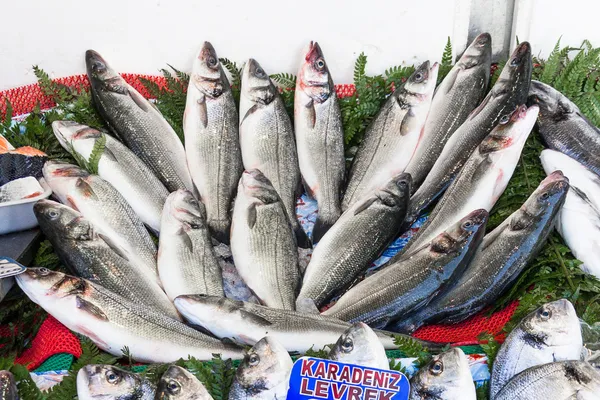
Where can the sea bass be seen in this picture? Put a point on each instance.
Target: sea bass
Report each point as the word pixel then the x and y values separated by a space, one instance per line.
pixel 414 280
pixel 138 123
pixel 263 244
pixel 99 202
pixel 267 139
pixel 187 263
pixel 508 93
pixel 576 380
pixel 392 137
pixel 485 175
pixel 112 322
pixel 264 372
pixel 500 259
pixel 550 333
pixel 210 124
pixel 319 137
pixel 361 234
pixel 179 384
pixel 564 128
pixel 20 189
pixel 8 387
pixel 117 165
pixel 446 377
pixel 87 255
pixel 103 382
pixel 359 345
pixel 459 93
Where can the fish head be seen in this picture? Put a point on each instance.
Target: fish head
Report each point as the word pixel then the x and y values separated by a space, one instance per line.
pixel 446 376
pixel 8 386
pixel 207 74
pixel 107 382
pixel 185 210
pixel 420 85
pixel 553 324
pixel 256 84
pixel 553 104
pixel 459 235
pixel 516 74
pixel 396 192
pixel 478 53
pixel 511 132
pixel 266 365
pixel 68 131
pixel 98 69
pixel 314 78
pixel 62 222
pixel 178 383
pixel 359 345
pixel 64 178
pixel 257 187
pixel 550 192
pixel 41 284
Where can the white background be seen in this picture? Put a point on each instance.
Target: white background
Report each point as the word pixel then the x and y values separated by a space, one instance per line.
pixel 142 36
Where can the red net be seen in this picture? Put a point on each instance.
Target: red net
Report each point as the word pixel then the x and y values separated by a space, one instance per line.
pixel 55 338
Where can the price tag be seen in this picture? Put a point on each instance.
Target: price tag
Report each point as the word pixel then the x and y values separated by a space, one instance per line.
pixel 9 267
pixel 314 378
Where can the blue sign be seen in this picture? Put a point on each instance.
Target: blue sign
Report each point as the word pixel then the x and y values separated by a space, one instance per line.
pixel 314 378
pixel 9 267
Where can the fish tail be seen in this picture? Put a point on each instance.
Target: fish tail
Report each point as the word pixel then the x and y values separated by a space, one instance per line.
pixel 220 230
pixel 321 227
pixel 301 237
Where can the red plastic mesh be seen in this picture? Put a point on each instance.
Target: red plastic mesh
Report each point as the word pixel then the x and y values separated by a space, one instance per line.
pixel 55 338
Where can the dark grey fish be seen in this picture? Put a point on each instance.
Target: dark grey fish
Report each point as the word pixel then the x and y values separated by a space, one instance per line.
pixel 179 384
pixel 138 123
pixel 413 281
pixel 499 260
pixel 101 382
pixel 564 128
pixel 459 93
pixel 8 386
pixel 359 236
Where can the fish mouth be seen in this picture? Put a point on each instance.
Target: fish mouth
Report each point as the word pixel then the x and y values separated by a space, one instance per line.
pixel 483 39
pixel 314 52
pixel 96 65
pixel 478 217
pixel 555 177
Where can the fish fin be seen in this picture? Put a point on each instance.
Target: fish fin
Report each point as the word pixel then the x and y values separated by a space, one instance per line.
pixel 109 154
pixel 90 308
pixel 480 106
pixel 116 88
pixel 482 169
pixel 85 189
pixel 309 191
pixel 302 239
pixel 306 305
pixel 250 111
pixel 251 216
pixel 139 100
pixel 449 80
pixel 409 122
pixel 114 247
pixel 202 110
pixel 257 319
pixel 186 239
pixel 320 229
pixel 72 203
pixel 365 205
pixel 312 114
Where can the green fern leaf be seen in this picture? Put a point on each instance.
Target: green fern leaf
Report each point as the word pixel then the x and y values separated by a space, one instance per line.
pixel 447 55
pixel 360 68
pixel 96 154
pixel 284 80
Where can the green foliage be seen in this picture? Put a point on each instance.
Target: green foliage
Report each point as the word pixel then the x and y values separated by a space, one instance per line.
pixel 446 64
pixel 25 385
pixel 284 80
pixel 496 74
pixel 322 353
pixel 46 257
pixel 490 346
pixel 217 376
pixel 236 77
pixel 413 348
pixel 482 392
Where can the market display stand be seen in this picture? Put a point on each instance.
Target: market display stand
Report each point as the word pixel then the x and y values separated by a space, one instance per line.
pixel 21 247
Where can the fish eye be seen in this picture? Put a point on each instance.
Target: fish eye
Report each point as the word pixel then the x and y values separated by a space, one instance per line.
pixel 173 387
pixel 504 120
pixel 259 72
pixel 44 271
pixel 254 359
pixel 514 62
pixel 467 224
pixel 545 195
pixel 347 345
pixel 437 368
pixel 112 377
pixel 545 314
pixel 98 67
pixel 194 226
pixel 211 61
pixel 320 64
pixel 419 77
pixel 53 214
pixel 402 184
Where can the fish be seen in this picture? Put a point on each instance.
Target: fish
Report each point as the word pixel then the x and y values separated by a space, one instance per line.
pixel 264 372
pixel 359 345
pixel 267 139
pixel 87 255
pixel 319 138
pixel 246 323
pixel 549 334
pixel 502 256
pixel 112 322
pixel 187 263
pixel 577 380
pixel 393 136
pixel 8 386
pixel 446 377
pixel 483 178
pixel 263 244
pixel 412 282
pixel 212 144
pixel 509 92
pixel 99 202
pixel 117 165
pixel 179 384
pixel 564 128
pixel 361 234
pixel 103 382
pixel 138 124
pixel 20 163
pixel 455 97
pixel 579 219
pixel 20 189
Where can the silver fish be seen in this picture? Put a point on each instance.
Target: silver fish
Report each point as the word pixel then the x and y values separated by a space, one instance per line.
pixel 117 165
pixel 99 202
pixel 576 380
pixel 179 384
pixel 187 263
pixel 550 333
pixel 112 322
pixel 459 93
pixel 361 234
pixel 20 189
pixel 267 139
pixel 104 382
pixel 212 145
pixel 8 387
pixel 319 137
pixel 264 372
pixel 359 345
pixel 446 377
pixel 393 136
pixel 138 123
pixel 263 244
